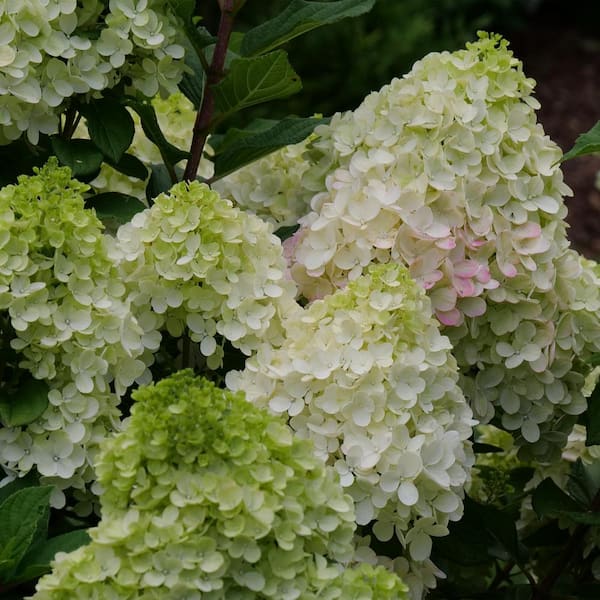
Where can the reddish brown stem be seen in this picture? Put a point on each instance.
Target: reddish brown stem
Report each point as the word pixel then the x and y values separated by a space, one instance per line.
pixel 214 75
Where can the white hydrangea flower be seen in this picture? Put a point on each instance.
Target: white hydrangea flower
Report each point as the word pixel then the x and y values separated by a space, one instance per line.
pixel 273 187
pixel 366 374
pixel 55 49
pixel 448 172
pixel 72 325
pixel 193 261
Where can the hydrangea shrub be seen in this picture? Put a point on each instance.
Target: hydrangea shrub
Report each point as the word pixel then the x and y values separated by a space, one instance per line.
pixel 366 375
pixel 207 496
pixel 52 51
pixel 447 172
pixel 73 329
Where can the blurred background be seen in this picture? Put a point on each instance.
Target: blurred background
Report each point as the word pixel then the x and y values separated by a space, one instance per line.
pixel 557 40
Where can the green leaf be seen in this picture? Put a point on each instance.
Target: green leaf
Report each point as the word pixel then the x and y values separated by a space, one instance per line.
pixel 481 448
pixel 19 158
pixel 110 126
pixel 298 18
pixel 159 182
pixel 283 233
pixel 7 568
pixel 37 560
pixel 586 143
pixel 184 9
pixel 131 166
pixel 467 544
pixel 519 477
pixel 194 40
pixel 170 154
pixel 592 418
pixel 584 482
pixel 192 83
pixel 242 146
pixel 25 405
pixel 584 518
pixel 549 534
pixel 484 532
pixel 548 500
pixel 114 208
pixel 21 515
pixel 251 81
pixel 29 480
pixel 82 156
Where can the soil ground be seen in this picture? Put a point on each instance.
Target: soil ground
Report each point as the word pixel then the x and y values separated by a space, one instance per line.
pixel 566 65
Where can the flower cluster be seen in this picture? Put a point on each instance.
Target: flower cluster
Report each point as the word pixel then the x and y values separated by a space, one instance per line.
pixel 525 359
pixel 194 261
pixel 53 50
pixel 273 187
pixel 73 329
pixel 209 496
pixel 448 172
pixel 175 116
pixel 366 374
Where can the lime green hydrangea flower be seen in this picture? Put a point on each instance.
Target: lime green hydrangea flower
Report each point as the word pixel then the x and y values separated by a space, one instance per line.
pixel 194 261
pixel 53 50
pixel 72 325
pixel 366 375
pixel 363 582
pixel 448 172
pixel 207 496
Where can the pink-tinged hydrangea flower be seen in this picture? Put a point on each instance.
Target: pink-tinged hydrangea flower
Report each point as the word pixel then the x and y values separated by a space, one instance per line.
pixel 207 496
pixel 525 358
pixel 67 306
pixel 366 375
pixel 447 172
pixel 195 262
pixel 53 50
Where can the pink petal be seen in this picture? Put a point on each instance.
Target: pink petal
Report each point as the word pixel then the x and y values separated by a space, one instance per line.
pixel 484 274
pixel 450 318
pixel 529 230
pixel 429 280
pixel 507 269
pixel 446 244
pixel 464 287
pixel 466 268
